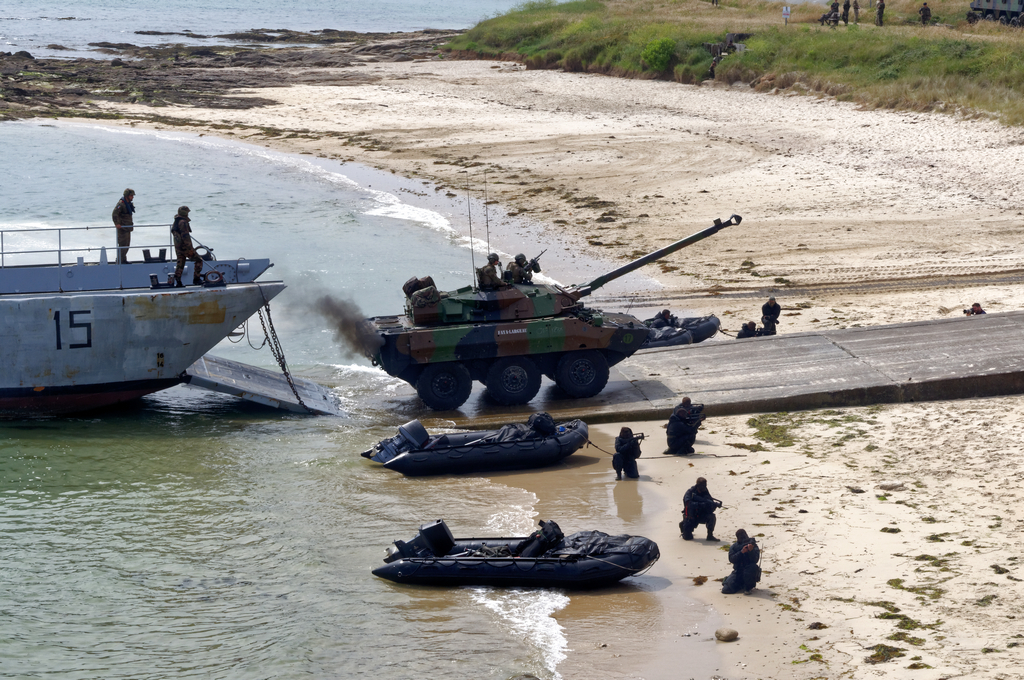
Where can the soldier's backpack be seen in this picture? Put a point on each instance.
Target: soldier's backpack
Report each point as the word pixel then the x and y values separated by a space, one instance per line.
pixel 542 423
pixel 414 284
pixel 548 537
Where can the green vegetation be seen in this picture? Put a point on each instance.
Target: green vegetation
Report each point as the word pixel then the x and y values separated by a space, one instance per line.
pixel 773 428
pixel 956 67
pixel 885 653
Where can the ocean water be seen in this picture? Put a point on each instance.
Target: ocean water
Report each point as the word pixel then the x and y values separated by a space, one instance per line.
pixel 33 26
pixel 193 535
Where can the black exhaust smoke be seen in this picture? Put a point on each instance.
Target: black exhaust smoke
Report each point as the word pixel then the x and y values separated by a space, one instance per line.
pixel 351 331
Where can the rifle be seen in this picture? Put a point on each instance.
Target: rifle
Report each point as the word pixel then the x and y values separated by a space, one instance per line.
pixel 534 264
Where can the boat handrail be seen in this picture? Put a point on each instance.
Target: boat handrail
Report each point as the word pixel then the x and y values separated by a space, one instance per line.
pixel 5 253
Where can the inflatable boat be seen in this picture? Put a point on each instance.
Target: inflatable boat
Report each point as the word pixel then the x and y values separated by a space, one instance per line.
pixel 413 451
pixel 544 559
pixel 683 332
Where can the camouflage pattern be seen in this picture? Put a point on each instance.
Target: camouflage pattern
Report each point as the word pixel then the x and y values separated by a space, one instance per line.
pixel 488 277
pixel 122 218
pixel 998 9
pixel 508 337
pixel 181 232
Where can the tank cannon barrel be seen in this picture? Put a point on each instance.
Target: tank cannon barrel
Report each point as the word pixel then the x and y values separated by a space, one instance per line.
pixel 588 288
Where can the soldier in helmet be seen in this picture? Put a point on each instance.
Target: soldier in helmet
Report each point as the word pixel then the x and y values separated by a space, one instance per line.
pixel 122 216
pixel 699 508
pixel 664 320
pixel 489 275
pixel 522 271
pixel 181 231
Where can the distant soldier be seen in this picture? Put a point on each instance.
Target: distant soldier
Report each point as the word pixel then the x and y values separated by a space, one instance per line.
pixel 744 556
pixel 523 270
pixel 856 12
pixel 664 320
pixel 488 275
pixel 181 232
pixel 770 312
pixel 846 12
pixel 122 216
pixel 835 7
pixel 748 330
pixel 926 14
pixel 627 450
pixel 699 508
pixel 682 427
pixel 879 12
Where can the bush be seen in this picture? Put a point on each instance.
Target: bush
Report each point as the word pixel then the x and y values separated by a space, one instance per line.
pixel 658 54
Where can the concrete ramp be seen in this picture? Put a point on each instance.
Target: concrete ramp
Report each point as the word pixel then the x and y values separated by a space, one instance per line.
pixel 261 386
pixel 940 359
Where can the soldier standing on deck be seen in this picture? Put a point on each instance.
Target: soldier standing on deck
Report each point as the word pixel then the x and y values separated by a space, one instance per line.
pixel 181 231
pixel 122 217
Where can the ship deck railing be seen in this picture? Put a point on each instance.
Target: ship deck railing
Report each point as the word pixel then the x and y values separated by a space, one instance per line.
pixel 64 253
pixel 59 259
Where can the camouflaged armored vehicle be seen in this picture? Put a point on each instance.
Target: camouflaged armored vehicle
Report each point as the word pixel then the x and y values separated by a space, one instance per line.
pixel 509 336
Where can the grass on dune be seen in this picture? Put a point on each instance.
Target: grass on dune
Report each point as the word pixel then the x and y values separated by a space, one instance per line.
pixel 953 66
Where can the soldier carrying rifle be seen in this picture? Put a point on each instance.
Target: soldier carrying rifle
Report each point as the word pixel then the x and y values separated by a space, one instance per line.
pixel 627 450
pixel 522 271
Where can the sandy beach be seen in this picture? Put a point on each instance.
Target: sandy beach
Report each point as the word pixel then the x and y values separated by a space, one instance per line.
pixel 896 525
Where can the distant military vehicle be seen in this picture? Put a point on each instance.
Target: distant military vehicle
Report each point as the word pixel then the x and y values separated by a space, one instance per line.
pixel 1003 11
pixel 509 336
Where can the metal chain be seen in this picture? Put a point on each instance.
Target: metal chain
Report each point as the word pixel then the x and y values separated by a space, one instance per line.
pixel 278 352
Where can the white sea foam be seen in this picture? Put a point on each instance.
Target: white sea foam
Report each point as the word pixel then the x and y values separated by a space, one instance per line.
pixel 527 616
pixel 512 520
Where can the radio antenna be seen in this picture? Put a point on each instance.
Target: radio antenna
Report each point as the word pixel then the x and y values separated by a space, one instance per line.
pixel 487 222
pixel 472 247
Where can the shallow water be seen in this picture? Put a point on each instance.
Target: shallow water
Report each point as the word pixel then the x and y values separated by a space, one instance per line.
pixel 33 26
pixel 193 535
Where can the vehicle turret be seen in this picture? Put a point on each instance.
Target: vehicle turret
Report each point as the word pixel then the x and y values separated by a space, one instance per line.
pixel 507 302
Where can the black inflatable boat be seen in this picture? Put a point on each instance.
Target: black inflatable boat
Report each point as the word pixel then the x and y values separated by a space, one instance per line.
pixel 682 331
pixel 545 559
pixel 542 442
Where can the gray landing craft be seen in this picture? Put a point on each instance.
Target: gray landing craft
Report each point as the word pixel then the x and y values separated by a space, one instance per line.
pixel 80 332
pixel 509 336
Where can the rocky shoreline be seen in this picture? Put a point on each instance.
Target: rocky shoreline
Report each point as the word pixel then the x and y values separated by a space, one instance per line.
pixel 199 76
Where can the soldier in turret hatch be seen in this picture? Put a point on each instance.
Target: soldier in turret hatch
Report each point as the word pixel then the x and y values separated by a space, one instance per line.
pixel 522 270
pixel 489 275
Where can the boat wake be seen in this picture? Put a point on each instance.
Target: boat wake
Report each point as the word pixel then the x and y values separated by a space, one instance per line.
pixel 527 615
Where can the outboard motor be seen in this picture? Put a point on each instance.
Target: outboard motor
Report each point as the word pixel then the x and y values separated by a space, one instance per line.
pixel 434 540
pixel 410 437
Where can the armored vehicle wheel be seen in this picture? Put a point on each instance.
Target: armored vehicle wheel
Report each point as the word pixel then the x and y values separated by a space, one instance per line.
pixel 513 380
pixel 582 374
pixel 445 386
